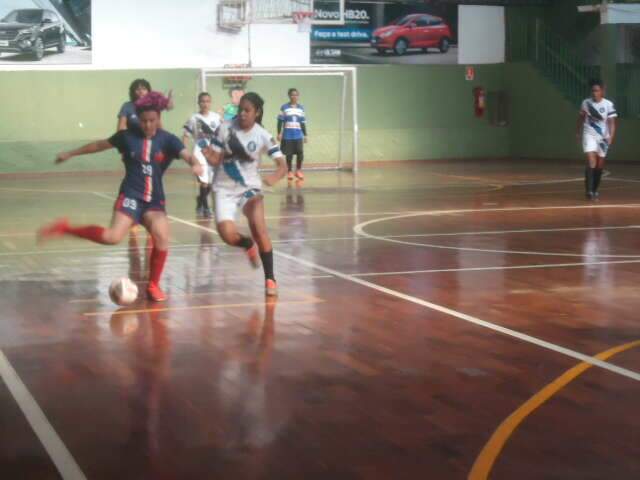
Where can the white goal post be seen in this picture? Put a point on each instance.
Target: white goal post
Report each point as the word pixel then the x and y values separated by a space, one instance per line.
pixel 335 146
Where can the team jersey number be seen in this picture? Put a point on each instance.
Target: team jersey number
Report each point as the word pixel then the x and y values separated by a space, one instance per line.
pixel 147 170
pixel 130 204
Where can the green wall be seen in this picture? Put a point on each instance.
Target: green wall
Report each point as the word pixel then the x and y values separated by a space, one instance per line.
pixel 543 123
pixel 406 113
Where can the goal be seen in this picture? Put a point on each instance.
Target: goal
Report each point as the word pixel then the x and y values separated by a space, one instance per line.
pixel 329 97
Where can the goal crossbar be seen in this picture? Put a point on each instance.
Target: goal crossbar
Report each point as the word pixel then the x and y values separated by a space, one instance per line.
pixel 349 80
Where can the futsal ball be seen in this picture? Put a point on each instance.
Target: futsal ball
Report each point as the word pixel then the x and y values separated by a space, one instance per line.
pixel 123 291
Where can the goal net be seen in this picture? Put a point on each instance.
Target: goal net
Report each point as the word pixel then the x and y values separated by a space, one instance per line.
pixel 327 93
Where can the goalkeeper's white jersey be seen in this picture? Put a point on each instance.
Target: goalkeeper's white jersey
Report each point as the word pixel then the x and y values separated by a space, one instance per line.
pixel 243 151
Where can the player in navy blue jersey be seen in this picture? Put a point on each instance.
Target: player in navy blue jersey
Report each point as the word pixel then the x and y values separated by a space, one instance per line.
pixel 292 132
pixel 146 152
pixel 127 116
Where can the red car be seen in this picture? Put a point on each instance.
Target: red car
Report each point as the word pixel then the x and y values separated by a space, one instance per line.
pixel 417 30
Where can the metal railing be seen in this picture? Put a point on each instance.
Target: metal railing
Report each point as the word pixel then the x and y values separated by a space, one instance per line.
pixel 528 39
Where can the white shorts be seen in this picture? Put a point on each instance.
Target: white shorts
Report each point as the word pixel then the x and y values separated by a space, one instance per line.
pixel 591 143
pixel 228 202
pixel 207 174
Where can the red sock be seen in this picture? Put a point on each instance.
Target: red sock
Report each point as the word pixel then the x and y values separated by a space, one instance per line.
pixel 158 258
pixel 90 232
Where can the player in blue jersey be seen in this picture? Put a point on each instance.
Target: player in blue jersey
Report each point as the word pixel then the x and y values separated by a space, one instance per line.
pixel 597 130
pixel 127 116
pixel 147 152
pixel 235 152
pixel 292 132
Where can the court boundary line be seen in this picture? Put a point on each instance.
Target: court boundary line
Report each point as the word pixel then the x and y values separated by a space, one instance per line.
pixel 407 235
pixel 359 229
pixel 64 462
pixel 496 268
pixel 490 453
pixel 450 312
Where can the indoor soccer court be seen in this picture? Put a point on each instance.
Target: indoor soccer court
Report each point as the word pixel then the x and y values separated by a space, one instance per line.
pixel 450 305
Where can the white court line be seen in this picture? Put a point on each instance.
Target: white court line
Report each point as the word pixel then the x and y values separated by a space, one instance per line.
pixel 448 311
pixel 359 230
pixel 64 462
pixel 109 251
pixel 462 316
pixel 456 234
pixel 629 180
pixel 497 268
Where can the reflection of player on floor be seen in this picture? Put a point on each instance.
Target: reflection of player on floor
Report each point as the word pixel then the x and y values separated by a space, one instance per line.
pixel 147 153
pixel 293 119
pixel 202 125
pixel 597 127
pixel 235 152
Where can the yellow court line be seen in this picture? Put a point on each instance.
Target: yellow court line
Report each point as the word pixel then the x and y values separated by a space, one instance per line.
pixel 199 294
pixel 486 181
pixel 487 458
pixel 202 307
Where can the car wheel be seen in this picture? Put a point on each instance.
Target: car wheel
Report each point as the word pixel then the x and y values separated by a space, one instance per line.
pixel 444 45
pixel 38 49
pixel 401 46
pixel 381 50
pixel 62 44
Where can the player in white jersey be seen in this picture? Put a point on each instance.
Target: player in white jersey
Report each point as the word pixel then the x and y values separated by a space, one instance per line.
pixel 235 152
pixel 202 125
pixel 597 129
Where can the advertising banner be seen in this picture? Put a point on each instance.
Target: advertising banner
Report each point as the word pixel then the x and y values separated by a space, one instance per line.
pixel 386 32
pixel 47 32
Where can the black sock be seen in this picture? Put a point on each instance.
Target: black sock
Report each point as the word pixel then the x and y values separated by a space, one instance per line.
pixel 596 179
pixel 299 160
pixel 204 193
pixel 267 264
pixel 588 179
pixel 289 162
pixel 245 242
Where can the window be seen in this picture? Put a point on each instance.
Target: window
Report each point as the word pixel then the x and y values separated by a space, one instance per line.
pixel 422 22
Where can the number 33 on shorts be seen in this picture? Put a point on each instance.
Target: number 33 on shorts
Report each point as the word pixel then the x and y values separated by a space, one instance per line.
pixel 130 204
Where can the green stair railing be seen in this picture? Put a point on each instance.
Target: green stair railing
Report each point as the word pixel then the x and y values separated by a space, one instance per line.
pixel 531 40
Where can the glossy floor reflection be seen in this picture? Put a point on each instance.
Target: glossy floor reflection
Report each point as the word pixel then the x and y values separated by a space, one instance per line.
pixel 420 307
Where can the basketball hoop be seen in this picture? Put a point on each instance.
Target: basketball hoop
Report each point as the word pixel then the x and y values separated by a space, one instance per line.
pixel 303 19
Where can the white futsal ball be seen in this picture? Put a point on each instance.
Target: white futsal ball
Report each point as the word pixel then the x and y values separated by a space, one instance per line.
pixel 123 291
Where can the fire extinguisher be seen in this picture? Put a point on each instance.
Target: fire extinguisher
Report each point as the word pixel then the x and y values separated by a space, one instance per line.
pixel 479 101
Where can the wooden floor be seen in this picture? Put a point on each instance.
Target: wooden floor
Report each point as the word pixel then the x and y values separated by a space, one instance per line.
pixel 439 321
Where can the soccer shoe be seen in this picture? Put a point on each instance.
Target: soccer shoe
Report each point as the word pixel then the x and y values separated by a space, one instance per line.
pixel 155 293
pixel 300 175
pixel 53 230
pixel 254 256
pixel 589 195
pixel 290 176
pixel 271 288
